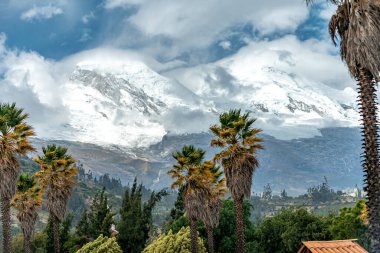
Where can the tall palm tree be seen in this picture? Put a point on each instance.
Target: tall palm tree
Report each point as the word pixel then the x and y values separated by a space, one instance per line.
pixel 28 200
pixel 56 176
pixel 14 140
pixel 214 203
pixel 357 23
pixel 187 172
pixel 239 143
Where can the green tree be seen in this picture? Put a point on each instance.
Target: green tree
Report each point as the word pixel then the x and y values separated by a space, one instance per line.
pixel 285 232
pixel 188 172
pixel 136 218
pixel 351 223
pixel 179 207
pixel 63 232
pixel 101 245
pixel 240 142
pixel 100 216
pixel 83 227
pixel 14 140
pixel 28 201
pixel 357 23
pixel 57 176
pixel 225 232
pixel 170 243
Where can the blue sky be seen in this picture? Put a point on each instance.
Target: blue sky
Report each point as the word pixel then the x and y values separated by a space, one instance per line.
pixel 56 29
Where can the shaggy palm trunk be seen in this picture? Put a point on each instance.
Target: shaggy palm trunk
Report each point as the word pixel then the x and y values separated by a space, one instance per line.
pixel 26 244
pixel 210 239
pixel 371 166
pixel 240 244
pixel 194 235
pixel 6 221
pixel 56 233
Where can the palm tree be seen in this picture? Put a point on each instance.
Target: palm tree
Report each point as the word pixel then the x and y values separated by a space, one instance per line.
pixel 240 142
pixel 214 203
pixel 28 200
pixel 357 23
pixel 14 140
pixel 56 176
pixel 188 172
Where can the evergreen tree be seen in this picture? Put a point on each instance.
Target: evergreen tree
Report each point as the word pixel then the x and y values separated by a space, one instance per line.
pixel 284 194
pixel 64 232
pixel 98 220
pixel 267 193
pixel 83 226
pixel 179 207
pixel 136 218
pixel 100 217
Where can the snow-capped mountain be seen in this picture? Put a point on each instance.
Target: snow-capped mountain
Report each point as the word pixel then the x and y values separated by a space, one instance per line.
pixel 127 117
pixel 129 104
pixel 121 106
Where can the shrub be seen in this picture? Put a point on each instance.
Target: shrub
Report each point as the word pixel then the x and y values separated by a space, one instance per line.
pixel 170 243
pixel 101 245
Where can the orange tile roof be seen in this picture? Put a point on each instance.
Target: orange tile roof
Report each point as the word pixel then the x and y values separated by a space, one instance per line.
pixel 343 246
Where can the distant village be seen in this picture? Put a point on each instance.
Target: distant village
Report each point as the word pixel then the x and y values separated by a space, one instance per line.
pixel 320 199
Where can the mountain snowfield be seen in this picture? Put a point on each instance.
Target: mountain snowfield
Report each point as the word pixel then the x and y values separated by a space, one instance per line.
pixel 128 104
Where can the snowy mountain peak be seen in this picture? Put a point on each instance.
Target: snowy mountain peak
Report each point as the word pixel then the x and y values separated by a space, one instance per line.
pixel 130 105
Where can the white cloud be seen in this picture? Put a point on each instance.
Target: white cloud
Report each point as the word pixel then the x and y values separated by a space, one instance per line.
pixel 225 44
pixel 268 74
pixel 197 24
pixel 40 13
pixel 111 4
pixel 33 83
pixel 312 59
pixel 88 17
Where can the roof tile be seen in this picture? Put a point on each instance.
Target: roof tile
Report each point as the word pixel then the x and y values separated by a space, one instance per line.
pixel 342 246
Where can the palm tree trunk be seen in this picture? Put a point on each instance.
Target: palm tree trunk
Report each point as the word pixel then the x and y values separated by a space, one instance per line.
pixel 6 221
pixel 26 244
pixel 368 111
pixel 56 234
pixel 194 235
pixel 210 239
pixel 240 225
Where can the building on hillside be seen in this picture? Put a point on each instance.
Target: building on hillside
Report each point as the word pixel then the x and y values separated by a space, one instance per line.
pixel 342 246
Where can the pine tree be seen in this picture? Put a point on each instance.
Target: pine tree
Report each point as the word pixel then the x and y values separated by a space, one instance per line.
pixel 136 218
pixel 98 220
pixel 64 230
pixel 83 226
pixel 179 206
pixel 100 217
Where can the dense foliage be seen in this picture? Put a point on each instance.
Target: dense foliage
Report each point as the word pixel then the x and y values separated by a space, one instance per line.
pixel 352 223
pixel 136 218
pixel 101 245
pixel 285 232
pixel 171 243
pixel 98 220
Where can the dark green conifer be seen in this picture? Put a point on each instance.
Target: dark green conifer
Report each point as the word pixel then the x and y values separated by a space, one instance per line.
pixel 98 220
pixel 136 218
